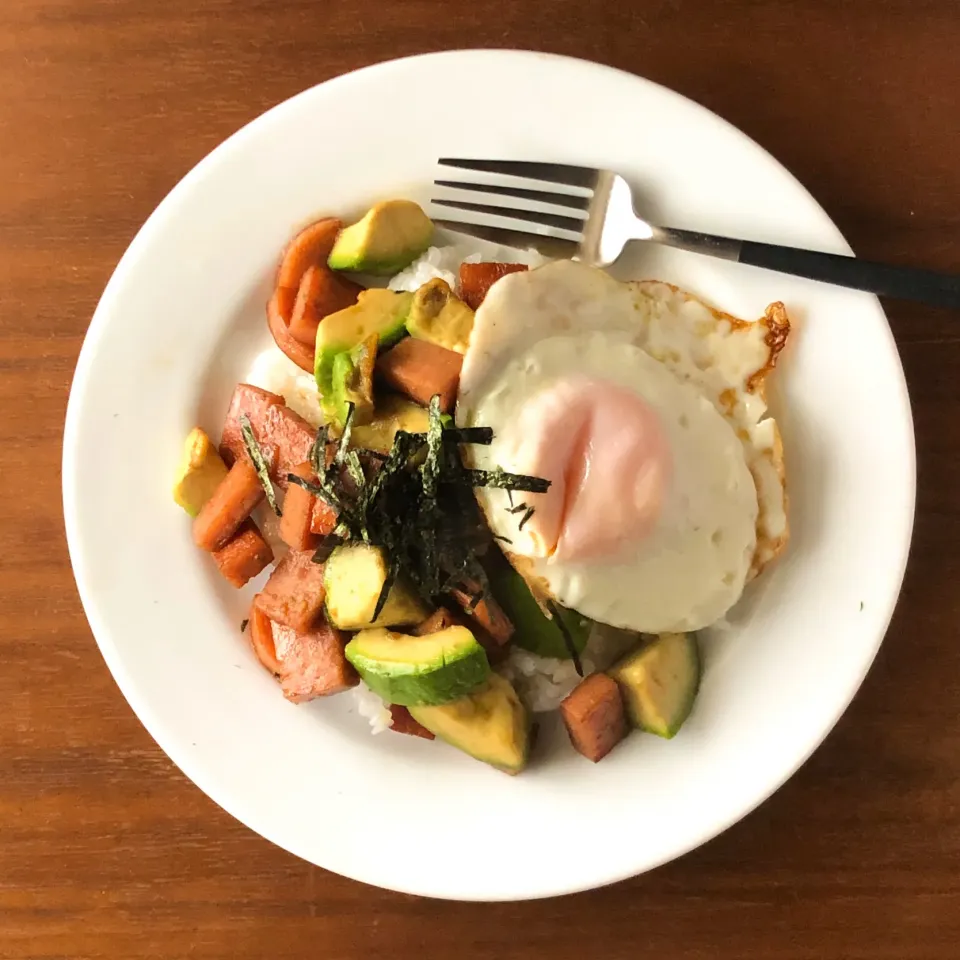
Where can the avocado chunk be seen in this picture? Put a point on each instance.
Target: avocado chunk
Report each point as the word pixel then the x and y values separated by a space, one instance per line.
pixel 439 316
pixel 534 630
pixel 353 577
pixel 380 312
pixel 490 724
pixel 659 682
pixel 352 382
pixel 392 413
pixel 390 237
pixel 199 473
pixel 410 671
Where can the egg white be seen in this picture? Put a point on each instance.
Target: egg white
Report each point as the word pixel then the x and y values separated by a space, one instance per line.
pixel 691 567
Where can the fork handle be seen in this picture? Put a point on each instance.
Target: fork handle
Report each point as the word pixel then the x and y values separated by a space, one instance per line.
pixel 905 283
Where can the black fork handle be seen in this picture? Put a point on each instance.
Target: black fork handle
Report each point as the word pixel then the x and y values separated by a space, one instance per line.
pixel 885 280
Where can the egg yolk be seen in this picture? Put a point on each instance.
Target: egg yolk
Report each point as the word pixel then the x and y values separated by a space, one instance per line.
pixel 603 450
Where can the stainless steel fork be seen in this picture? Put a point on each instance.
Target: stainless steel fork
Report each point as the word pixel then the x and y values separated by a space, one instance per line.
pixel 600 221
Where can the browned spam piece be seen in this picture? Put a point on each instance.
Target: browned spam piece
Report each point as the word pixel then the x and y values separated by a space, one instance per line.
pixel 298 512
pixel 324 517
pixel 477 278
pixel 403 722
pixel 321 293
pixel 420 369
pixel 594 716
pixel 312 662
pixel 283 436
pixel 261 639
pixel 440 619
pixel 280 306
pixel 243 556
pixel 311 246
pixel 252 401
pixel 232 502
pixel 294 594
pixel 488 613
pixel 290 436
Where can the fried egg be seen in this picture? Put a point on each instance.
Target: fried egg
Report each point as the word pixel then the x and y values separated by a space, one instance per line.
pixel 646 410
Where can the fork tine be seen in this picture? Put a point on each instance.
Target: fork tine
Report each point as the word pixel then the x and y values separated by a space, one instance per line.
pixel 540 196
pixel 550 172
pixel 519 239
pixel 554 220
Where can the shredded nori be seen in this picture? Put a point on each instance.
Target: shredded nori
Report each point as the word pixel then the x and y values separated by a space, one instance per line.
pixel 416 503
pixel 327 545
pixel 344 444
pixel 243 625
pixel 530 512
pixel 321 490
pixel 508 481
pixel 567 639
pixel 318 452
pixel 385 590
pixel 259 462
pixel 482 436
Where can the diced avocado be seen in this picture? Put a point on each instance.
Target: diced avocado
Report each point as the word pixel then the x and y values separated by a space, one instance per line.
pixel 408 671
pixel 490 725
pixel 199 473
pixel 392 413
pixel 439 316
pixel 534 630
pixel 353 577
pixel 390 237
pixel 380 312
pixel 352 382
pixel 659 682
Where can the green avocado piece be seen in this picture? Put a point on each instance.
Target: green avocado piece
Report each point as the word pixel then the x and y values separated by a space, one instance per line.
pixel 410 671
pixel 352 382
pixel 381 312
pixel 391 413
pixel 353 577
pixel 659 682
pixel 534 630
pixel 390 237
pixel 490 724
pixel 439 316
pixel 199 473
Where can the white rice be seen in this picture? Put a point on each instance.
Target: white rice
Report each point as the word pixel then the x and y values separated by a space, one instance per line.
pixel 372 708
pixel 541 682
pixel 444 263
pixel 274 371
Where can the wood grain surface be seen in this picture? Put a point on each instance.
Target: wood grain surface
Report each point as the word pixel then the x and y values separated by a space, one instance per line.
pixel 106 851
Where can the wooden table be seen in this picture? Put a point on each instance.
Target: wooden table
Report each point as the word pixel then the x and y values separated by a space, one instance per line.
pixel 105 849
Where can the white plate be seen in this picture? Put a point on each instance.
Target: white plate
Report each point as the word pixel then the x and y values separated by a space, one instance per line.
pixel 179 323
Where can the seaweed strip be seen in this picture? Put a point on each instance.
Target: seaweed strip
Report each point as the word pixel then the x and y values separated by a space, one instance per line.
pixel 259 463
pixel 385 591
pixel 321 490
pixel 507 481
pixel 344 444
pixel 567 639
pixel 318 452
pixel 326 546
